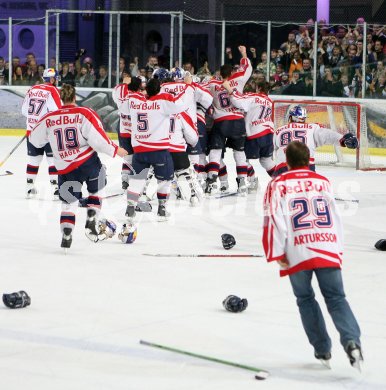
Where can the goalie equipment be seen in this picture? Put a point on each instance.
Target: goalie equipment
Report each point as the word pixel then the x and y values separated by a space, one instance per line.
pixel 177 74
pixel 16 300
pixel 298 114
pixel 349 140
pixel 228 241
pixel 128 233
pixel 107 228
pixel 381 245
pixel 161 74
pixel 234 304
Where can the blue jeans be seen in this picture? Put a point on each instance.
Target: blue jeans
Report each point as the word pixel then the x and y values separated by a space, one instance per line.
pixel 331 287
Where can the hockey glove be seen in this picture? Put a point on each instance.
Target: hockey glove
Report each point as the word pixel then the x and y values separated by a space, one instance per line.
pixel 235 304
pixel 349 140
pixel 228 241
pixel 381 245
pixel 16 300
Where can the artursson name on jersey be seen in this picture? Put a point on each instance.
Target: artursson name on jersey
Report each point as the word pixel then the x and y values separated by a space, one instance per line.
pixel 303 186
pixel 303 239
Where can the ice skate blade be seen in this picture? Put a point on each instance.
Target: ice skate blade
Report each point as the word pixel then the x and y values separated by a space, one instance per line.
pixel 162 218
pixel 91 237
pixel 325 363
pixel 356 354
pixel 194 202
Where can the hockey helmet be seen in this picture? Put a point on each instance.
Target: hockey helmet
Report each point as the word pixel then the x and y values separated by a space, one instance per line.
pixel 298 114
pixel 50 73
pixel 161 74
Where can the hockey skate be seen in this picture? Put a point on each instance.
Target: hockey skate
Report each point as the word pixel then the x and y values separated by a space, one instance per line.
pixel 253 185
pixel 31 189
pixel 125 181
pixel 241 186
pixel 354 353
pixel 324 358
pixel 224 187
pixel 66 239
pixel 163 214
pixel 90 228
pixel 55 189
pixel 211 185
pixel 130 212
pixel 194 200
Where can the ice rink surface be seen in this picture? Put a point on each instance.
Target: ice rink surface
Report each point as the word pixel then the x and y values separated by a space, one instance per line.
pixel 91 307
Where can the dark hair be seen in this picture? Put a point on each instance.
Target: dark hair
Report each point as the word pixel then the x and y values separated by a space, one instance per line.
pixel 263 87
pixel 297 155
pixel 250 86
pixel 225 71
pixel 135 84
pixel 153 87
pixel 67 93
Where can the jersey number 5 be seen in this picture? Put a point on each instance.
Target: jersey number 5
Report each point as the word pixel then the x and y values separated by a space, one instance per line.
pixel 142 123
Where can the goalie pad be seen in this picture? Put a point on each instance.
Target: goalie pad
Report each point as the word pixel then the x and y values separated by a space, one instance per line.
pixel 16 300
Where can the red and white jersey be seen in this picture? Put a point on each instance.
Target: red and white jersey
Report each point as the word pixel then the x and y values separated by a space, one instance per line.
pixel 120 95
pixel 301 222
pixel 258 109
pixel 150 118
pixel 311 134
pixel 223 109
pixel 39 100
pixel 203 100
pixel 182 132
pixel 74 133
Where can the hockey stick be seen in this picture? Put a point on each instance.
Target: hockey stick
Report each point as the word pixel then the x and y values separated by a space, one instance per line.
pixel 261 374
pixel 113 195
pixel 226 195
pixel 7 173
pixel 200 255
pixel 10 153
pixel 347 200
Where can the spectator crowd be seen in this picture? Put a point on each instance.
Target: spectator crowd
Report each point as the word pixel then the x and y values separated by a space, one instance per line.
pixel 291 69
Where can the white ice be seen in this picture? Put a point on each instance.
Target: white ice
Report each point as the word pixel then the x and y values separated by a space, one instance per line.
pixel 91 307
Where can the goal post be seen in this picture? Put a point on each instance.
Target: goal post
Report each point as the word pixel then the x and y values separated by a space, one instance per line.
pixel 342 117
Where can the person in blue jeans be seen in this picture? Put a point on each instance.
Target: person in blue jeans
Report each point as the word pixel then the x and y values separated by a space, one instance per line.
pixel 303 232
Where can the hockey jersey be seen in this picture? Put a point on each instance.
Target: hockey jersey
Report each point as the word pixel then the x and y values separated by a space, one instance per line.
pixel 182 132
pixel 311 134
pixel 74 133
pixel 39 100
pixel 223 109
pixel 120 95
pixel 258 109
pixel 183 126
pixel 301 222
pixel 203 99
pixel 150 118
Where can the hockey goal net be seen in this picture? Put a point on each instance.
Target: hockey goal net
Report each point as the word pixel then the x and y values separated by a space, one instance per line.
pixel 342 117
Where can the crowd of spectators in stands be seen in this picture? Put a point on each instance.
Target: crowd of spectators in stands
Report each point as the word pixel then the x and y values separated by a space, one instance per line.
pixel 291 67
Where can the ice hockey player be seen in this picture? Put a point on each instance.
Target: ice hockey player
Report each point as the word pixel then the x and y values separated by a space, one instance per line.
pixel 39 100
pixel 259 126
pixel 183 132
pixel 76 135
pixel 121 93
pixel 311 134
pixel 150 118
pixel 303 233
pixel 228 123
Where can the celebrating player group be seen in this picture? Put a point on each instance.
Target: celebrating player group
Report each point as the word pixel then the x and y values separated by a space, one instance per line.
pixel 165 135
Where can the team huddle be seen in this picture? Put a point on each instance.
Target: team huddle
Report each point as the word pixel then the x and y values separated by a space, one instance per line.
pixel 163 134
